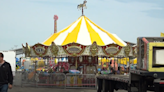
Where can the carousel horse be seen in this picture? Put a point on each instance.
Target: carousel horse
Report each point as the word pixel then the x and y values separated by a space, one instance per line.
pixel 80 6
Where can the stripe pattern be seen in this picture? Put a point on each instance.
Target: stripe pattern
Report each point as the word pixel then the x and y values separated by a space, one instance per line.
pixel 85 32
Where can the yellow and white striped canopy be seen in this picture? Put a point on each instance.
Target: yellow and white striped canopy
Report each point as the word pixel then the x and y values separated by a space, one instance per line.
pixel 85 32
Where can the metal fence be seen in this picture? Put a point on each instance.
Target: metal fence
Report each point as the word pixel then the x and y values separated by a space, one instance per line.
pixel 51 80
pixel 80 81
pixel 28 79
pixel 59 80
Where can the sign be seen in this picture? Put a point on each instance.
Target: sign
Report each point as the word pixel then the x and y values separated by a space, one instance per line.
pixel 111 50
pixel 74 49
pixel 55 17
pixel 54 49
pixel 40 49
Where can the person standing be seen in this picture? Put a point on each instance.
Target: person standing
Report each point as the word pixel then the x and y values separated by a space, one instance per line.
pixel 6 76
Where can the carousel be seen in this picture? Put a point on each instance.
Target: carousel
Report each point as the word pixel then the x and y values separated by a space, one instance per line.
pixel 82 46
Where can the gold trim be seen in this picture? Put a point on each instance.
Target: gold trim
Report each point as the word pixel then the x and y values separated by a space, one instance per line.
pixel 42 46
pixel 69 47
pixel 127 50
pixel 54 49
pixel 27 50
pixel 104 48
pixel 79 46
pixel 94 48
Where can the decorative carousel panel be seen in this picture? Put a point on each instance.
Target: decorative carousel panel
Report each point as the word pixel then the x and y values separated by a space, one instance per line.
pixel 111 50
pixel 94 49
pixel 54 49
pixel 86 51
pixel 40 49
pixel 127 50
pixel 61 51
pixel 33 54
pixel 100 52
pixel 121 53
pixel 74 49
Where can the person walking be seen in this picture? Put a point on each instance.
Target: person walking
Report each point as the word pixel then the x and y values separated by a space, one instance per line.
pixel 6 76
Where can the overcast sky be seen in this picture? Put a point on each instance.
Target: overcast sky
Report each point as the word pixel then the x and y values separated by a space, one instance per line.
pixel 31 21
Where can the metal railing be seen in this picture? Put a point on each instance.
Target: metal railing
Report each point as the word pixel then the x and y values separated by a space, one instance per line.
pixel 54 80
pixel 51 80
pixel 80 80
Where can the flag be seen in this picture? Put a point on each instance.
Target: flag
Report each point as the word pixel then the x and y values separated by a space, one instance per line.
pixel 162 34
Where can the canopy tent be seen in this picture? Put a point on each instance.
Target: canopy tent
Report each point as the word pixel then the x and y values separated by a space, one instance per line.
pixel 85 32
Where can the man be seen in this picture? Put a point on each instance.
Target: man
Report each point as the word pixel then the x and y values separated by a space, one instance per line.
pixel 6 76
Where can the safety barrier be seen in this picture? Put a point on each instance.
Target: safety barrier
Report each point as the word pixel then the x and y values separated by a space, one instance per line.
pixel 51 80
pixel 80 81
pixel 28 79
pixel 54 80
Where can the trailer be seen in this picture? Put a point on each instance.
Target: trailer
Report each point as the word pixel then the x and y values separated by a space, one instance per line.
pixel 10 57
pixel 149 74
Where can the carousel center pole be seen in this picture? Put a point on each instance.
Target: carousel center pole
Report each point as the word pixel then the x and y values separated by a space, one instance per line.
pixel 82 11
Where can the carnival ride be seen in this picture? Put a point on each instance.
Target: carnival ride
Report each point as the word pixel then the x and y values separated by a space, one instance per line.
pixel 82 45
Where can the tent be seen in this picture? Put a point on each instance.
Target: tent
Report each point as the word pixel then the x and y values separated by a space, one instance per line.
pixel 85 32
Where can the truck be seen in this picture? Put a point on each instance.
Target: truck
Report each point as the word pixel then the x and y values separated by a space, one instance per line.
pixel 148 75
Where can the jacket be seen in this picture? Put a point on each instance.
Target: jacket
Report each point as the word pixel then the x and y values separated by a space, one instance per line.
pixel 6 75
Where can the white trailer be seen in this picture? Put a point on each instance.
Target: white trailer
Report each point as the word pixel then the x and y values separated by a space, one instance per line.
pixel 10 57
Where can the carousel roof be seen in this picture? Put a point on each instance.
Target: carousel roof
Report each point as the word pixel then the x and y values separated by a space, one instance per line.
pixel 85 32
